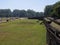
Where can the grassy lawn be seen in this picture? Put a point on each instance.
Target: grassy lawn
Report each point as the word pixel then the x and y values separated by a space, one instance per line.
pixel 22 32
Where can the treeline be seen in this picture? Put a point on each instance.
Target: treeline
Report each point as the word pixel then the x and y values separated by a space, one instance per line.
pixel 20 13
pixel 50 10
pixel 53 10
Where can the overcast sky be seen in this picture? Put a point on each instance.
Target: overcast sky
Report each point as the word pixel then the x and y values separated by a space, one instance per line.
pixel 37 5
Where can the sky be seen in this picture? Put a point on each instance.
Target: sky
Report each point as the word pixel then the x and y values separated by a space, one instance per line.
pixel 36 5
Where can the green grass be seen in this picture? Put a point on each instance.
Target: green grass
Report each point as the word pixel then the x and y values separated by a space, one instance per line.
pixel 22 32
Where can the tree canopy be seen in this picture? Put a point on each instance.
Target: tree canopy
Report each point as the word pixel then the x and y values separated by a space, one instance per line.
pixel 19 13
pixel 50 10
pixel 53 10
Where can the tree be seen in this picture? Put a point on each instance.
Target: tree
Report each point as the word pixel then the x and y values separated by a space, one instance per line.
pixel 5 12
pixel 48 10
pixel 31 13
pixel 56 10
pixel 23 13
pixel 20 13
pixel 16 13
pixel 39 14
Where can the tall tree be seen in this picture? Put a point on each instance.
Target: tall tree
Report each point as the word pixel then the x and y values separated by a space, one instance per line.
pixel 16 13
pixel 5 12
pixel 56 9
pixel 31 13
pixel 48 10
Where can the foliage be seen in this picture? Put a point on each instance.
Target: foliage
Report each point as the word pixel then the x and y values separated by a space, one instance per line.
pixel 19 13
pixel 53 10
pixel 48 10
pixel 5 12
pixel 56 9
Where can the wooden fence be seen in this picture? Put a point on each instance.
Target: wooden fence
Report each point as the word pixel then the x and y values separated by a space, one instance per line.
pixel 53 32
